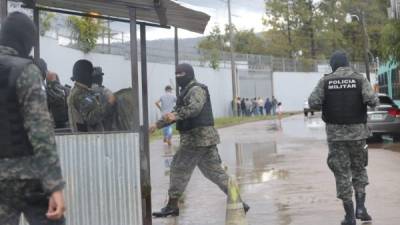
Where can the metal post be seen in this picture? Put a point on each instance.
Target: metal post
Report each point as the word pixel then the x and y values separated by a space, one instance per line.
pixel 176 57
pixel 135 71
pixel 145 151
pixel 109 36
pixel 3 10
pixel 233 67
pixel 36 20
pixel 366 45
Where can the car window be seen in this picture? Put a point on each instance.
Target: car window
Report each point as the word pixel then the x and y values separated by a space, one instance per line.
pixel 385 100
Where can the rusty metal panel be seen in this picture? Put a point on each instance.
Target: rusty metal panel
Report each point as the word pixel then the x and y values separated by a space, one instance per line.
pixel 102 172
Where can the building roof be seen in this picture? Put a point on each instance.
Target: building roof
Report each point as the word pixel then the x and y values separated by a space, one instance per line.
pixel 163 12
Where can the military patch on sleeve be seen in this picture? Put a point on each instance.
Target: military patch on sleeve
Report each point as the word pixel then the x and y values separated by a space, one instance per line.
pixel 342 84
pixel 89 100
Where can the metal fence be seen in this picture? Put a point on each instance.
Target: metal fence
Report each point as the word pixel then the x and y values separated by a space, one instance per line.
pixel 102 173
pixel 165 54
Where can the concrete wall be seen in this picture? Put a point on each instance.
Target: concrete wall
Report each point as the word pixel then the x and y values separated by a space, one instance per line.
pixel 292 88
pixel 117 71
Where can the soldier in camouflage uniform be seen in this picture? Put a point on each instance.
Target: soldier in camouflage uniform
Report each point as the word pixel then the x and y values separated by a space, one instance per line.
pixel 30 175
pixel 56 96
pixel 104 94
pixel 344 96
pixel 86 110
pixel 198 139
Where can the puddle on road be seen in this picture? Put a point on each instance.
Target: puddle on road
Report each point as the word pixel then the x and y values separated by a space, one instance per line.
pixel 256 162
pixel 284 216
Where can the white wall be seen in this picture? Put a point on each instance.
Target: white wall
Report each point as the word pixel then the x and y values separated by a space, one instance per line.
pixel 117 71
pixel 292 88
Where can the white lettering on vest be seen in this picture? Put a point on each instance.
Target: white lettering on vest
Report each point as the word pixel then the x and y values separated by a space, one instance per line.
pixel 342 84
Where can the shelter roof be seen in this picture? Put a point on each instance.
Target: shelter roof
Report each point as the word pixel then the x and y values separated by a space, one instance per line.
pixel 163 12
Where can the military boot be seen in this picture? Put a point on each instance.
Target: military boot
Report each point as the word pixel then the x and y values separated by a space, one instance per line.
pixel 171 209
pixel 349 218
pixel 361 211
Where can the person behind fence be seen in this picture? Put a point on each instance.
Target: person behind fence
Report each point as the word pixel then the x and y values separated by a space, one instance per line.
pixel 260 104
pixel 238 106
pixel 243 106
pixel 254 107
pixel 344 96
pixel 56 96
pixel 198 139
pixel 31 181
pixel 274 103
pixel 268 106
pixel 103 94
pixel 166 104
pixel 248 106
pixel 86 112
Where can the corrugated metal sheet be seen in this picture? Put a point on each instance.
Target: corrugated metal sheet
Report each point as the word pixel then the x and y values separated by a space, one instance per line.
pixel 176 15
pixel 103 178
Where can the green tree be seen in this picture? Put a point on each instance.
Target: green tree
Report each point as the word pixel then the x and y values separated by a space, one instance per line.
pixel 86 31
pixel 317 28
pixel 212 47
pixel 46 20
pixel 280 17
pixel 248 42
pixel 245 42
pixel 390 41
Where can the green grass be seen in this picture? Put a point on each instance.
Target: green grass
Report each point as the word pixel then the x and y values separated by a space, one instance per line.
pixel 226 122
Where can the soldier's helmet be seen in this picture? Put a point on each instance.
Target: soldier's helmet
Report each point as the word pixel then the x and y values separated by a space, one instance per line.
pixel 83 72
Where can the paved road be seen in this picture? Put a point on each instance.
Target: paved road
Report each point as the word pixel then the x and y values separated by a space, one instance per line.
pixel 283 176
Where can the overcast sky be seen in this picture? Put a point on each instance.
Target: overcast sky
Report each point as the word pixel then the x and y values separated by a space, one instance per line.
pixel 247 14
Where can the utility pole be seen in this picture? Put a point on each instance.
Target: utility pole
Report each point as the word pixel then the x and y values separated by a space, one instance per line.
pixel 3 10
pixel 233 66
pixel 366 44
pixel 360 17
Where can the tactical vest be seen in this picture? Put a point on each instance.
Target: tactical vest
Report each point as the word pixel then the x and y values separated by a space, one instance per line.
pixel 343 102
pixel 14 140
pixel 204 119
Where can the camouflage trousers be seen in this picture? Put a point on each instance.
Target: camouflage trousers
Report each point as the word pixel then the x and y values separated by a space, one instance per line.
pixel 27 198
pixel 348 161
pixel 186 160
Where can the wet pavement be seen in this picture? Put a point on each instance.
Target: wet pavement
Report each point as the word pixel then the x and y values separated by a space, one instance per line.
pixel 283 176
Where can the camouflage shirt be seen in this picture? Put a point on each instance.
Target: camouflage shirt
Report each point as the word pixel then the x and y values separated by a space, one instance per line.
pixel 336 132
pixel 56 98
pixel 85 107
pixel 45 164
pixel 194 103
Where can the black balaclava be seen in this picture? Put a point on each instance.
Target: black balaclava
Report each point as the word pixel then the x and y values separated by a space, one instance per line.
pixel 43 67
pixel 98 76
pixel 339 59
pixel 18 32
pixel 188 77
pixel 83 72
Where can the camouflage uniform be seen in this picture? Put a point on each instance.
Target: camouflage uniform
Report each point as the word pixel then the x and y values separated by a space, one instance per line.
pixel 56 97
pixel 348 152
pixel 104 93
pixel 85 107
pixel 198 147
pixel 26 183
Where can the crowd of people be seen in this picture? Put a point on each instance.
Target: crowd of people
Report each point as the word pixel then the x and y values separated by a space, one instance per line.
pixel 258 106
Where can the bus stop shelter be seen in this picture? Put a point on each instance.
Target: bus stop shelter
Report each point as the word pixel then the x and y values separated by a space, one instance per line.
pixel 108 174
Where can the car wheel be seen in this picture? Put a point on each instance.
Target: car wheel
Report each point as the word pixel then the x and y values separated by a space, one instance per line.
pixel 396 137
pixel 375 138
